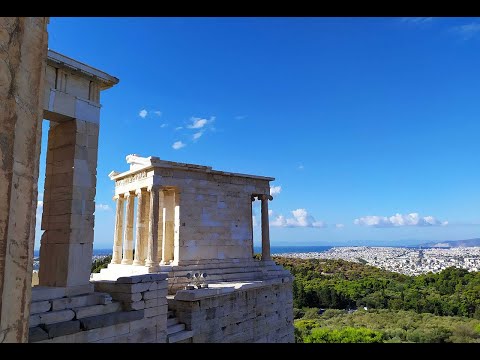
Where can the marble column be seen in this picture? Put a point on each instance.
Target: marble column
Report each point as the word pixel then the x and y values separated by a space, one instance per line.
pixel 128 241
pixel 265 227
pixel 152 244
pixel 118 236
pixel 139 259
pixel 168 226
pixel 160 225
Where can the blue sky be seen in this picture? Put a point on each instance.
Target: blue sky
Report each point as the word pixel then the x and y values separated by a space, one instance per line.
pixel 369 125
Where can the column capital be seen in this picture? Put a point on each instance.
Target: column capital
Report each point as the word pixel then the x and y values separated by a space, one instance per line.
pixel 139 191
pixel 117 196
pixel 153 188
pixel 264 197
pixel 128 194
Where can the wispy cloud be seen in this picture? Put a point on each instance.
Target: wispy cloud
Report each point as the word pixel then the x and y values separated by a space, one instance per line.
pixel 301 218
pixel 197 135
pixel 416 20
pixel 412 219
pixel 102 207
pixel 163 125
pixel 143 113
pixel 158 113
pixel 300 167
pixel 39 203
pixel 197 123
pixel 178 128
pixel 467 31
pixel 178 145
pixel 240 117
pixel 339 226
pixel 275 190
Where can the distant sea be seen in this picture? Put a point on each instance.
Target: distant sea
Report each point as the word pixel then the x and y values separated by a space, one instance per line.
pixel 257 249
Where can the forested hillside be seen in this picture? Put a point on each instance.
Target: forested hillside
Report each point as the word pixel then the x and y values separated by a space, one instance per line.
pixel 444 307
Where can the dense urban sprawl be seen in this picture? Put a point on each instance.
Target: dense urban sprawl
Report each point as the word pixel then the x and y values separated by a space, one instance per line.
pixel 408 261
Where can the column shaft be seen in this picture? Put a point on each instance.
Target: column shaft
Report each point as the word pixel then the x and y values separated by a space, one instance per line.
pixel 118 235
pixel 140 224
pixel 128 241
pixel 265 230
pixel 152 246
pixel 168 227
pixel 160 226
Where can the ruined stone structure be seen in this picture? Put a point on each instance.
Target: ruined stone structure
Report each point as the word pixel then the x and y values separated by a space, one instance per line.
pixel 189 218
pixel 23 52
pixel 72 104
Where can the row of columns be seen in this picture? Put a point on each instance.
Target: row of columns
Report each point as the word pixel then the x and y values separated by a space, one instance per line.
pixel 154 206
pixel 265 224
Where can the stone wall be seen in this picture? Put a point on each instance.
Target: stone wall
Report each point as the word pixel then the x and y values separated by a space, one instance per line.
pixel 244 313
pixel 23 52
pixel 129 310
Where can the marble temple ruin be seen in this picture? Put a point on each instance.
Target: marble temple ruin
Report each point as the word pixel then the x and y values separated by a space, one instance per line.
pixel 172 220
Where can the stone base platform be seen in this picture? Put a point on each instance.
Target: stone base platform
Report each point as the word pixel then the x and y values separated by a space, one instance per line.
pixel 130 309
pixel 245 312
pixel 217 272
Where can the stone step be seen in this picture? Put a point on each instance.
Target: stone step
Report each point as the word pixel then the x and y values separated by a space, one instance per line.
pixel 180 336
pixel 94 310
pixel 182 271
pixel 172 321
pixel 175 328
pixel 81 301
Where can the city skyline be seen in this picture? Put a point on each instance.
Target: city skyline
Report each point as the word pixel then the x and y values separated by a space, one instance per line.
pixel 367 124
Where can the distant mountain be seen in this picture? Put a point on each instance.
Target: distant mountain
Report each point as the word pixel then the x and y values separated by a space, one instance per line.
pixel 454 243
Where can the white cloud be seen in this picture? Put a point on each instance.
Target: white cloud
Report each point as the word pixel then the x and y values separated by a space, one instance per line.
pixel 339 226
pixel 467 31
pixel 198 123
pixel 279 221
pixel 40 196
pixel 416 20
pixel 197 135
pixel 412 219
pixel 102 207
pixel 270 212
pixel 158 113
pixel 39 204
pixel 178 145
pixel 240 117
pixel 275 190
pixel 179 128
pixel 163 125
pixel 300 218
pixel 254 220
pixel 143 113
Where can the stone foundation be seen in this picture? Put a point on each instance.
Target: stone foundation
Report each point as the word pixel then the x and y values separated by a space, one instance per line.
pixel 129 310
pixel 246 312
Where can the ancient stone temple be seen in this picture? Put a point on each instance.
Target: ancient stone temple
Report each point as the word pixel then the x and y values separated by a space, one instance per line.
pixel 188 217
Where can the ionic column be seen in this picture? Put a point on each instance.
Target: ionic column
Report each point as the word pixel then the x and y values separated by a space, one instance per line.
pixel 128 241
pixel 265 227
pixel 140 225
pixel 118 235
pixel 168 226
pixel 152 245
pixel 160 225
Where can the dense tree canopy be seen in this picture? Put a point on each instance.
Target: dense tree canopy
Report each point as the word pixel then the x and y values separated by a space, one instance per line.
pixel 343 302
pixel 339 284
